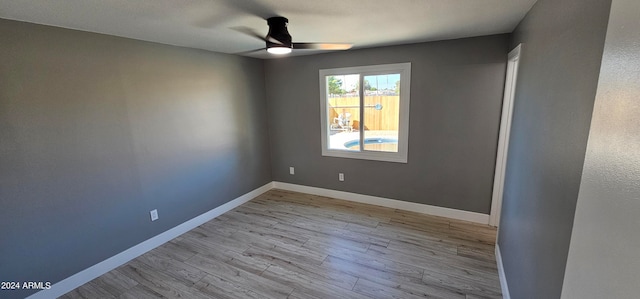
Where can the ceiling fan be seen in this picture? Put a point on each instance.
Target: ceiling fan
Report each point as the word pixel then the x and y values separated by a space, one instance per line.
pixel 278 40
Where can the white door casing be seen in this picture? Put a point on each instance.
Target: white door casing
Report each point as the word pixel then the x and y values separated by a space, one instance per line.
pixel 503 138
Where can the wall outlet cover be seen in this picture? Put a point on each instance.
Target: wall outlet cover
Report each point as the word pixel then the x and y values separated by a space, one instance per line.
pixel 154 215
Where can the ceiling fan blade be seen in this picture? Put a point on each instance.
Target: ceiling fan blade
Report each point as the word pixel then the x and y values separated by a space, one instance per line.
pixel 248 31
pixel 243 53
pixel 321 46
pixel 252 7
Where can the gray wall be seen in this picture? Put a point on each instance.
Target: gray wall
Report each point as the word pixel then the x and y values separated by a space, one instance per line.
pixel 95 131
pixel 604 261
pixel 560 61
pixel 456 96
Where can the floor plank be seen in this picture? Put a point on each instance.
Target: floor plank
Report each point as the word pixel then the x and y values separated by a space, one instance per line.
pixel 285 244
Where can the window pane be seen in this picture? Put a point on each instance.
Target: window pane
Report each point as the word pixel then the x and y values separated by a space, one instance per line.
pixel 381 112
pixel 343 112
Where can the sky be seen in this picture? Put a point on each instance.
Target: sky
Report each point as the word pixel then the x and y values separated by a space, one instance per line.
pixel 349 82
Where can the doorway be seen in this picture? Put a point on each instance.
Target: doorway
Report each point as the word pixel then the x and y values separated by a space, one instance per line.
pixel 503 137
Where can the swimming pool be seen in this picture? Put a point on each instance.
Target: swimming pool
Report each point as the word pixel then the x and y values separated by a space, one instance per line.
pixel 374 140
pixel 381 141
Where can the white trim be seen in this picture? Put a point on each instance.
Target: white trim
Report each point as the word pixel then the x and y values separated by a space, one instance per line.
pixel 389 203
pixel 404 69
pixel 68 284
pixel 503 138
pixel 503 277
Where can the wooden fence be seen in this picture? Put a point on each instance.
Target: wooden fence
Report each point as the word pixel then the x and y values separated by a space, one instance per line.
pixel 386 119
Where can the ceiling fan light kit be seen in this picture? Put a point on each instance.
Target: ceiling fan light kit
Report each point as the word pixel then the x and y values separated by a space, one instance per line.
pixel 279 50
pixel 278 39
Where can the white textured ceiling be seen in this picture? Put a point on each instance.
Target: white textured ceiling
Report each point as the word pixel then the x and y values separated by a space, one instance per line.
pixel 214 24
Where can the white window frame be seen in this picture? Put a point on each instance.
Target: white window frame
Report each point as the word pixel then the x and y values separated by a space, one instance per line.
pixel 404 69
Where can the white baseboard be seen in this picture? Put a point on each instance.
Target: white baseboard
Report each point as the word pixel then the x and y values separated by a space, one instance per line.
pixel 68 284
pixel 389 203
pixel 503 278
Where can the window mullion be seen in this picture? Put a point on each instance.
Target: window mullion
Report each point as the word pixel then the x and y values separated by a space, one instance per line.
pixel 361 122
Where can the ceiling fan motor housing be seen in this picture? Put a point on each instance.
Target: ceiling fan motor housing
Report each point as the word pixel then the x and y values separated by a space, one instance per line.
pixel 278 31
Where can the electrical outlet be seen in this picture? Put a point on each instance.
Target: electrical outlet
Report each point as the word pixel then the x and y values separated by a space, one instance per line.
pixel 154 215
pixel 341 177
pixel 292 170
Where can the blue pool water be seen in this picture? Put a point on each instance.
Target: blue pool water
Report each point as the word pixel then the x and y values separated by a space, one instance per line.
pixel 371 141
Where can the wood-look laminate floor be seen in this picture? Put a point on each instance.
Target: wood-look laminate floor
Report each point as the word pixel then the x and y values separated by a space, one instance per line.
pixel 292 245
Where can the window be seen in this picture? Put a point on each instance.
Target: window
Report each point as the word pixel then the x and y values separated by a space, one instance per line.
pixel 365 112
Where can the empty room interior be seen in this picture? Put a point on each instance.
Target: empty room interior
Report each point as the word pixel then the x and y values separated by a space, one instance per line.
pixel 320 149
